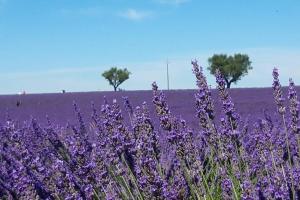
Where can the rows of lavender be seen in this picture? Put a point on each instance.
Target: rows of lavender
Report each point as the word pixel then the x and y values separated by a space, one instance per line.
pixel 226 159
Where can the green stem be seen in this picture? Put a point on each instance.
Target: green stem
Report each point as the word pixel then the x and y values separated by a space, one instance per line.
pixel 124 183
pixel 127 187
pixel 289 153
pixel 194 190
pixel 132 176
pixel 206 185
pixel 96 195
pixel 57 197
pixel 287 140
pixel 234 191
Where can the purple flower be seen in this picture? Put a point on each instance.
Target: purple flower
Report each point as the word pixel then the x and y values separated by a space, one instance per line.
pixel 175 185
pixel 178 135
pixel 204 103
pixel 127 105
pixel 227 104
pixel 278 97
pixel 249 191
pixel 294 108
pixel 147 155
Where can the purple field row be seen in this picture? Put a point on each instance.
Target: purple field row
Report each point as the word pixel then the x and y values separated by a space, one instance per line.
pixel 249 102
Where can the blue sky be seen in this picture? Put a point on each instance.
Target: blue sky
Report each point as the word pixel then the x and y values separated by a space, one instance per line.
pixel 50 45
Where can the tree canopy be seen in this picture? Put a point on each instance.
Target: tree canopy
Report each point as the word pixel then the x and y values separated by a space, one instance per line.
pixel 116 76
pixel 233 68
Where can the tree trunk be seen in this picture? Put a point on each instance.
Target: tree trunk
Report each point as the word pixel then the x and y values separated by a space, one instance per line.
pixel 115 88
pixel 228 84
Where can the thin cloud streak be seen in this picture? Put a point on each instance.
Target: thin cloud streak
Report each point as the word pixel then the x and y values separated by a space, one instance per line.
pixel 130 14
pixel 136 15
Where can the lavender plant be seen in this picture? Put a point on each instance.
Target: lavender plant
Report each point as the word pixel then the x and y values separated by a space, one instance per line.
pixel 225 158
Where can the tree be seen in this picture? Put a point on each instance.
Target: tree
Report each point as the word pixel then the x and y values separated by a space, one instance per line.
pixel 116 76
pixel 233 68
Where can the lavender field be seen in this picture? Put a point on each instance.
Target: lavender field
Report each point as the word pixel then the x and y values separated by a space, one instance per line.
pixel 185 144
pixel 250 103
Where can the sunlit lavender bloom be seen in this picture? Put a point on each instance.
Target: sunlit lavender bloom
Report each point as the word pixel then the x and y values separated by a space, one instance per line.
pixel 204 102
pixel 96 120
pixel 174 126
pixel 17 181
pixel 294 107
pixel 127 105
pixel 167 121
pixel 112 141
pixel 249 191
pixel 37 159
pixel 264 148
pixel 121 128
pixel 117 143
pixel 83 159
pixel 278 97
pixel 179 135
pixel 277 188
pixel 147 156
pixel 162 108
pixel 226 188
pixel 294 176
pixel 291 144
pixel 108 159
pixel 67 187
pixel 13 176
pixel 227 104
pixel 82 133
pixel 26 165
pixel 175 185
pixel 204 107
pixel 100 152
pixel 294 133
pixel 109 195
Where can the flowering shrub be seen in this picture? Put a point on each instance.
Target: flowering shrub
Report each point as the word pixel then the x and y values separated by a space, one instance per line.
pixel 107 159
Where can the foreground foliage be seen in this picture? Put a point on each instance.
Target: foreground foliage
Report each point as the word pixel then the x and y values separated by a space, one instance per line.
pixel 226 159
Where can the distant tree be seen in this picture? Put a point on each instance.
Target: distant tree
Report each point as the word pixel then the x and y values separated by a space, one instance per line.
pixel 116 76
pixel 233 68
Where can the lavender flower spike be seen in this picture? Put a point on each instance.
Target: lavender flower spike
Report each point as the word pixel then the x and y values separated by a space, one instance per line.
pixel 204 101
pixel 228 105
pixel 279 100
pixel 294 107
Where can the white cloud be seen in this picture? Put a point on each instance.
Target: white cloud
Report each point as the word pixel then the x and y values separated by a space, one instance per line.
pixel 131 13
pixel 172 2
pixel 136 15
